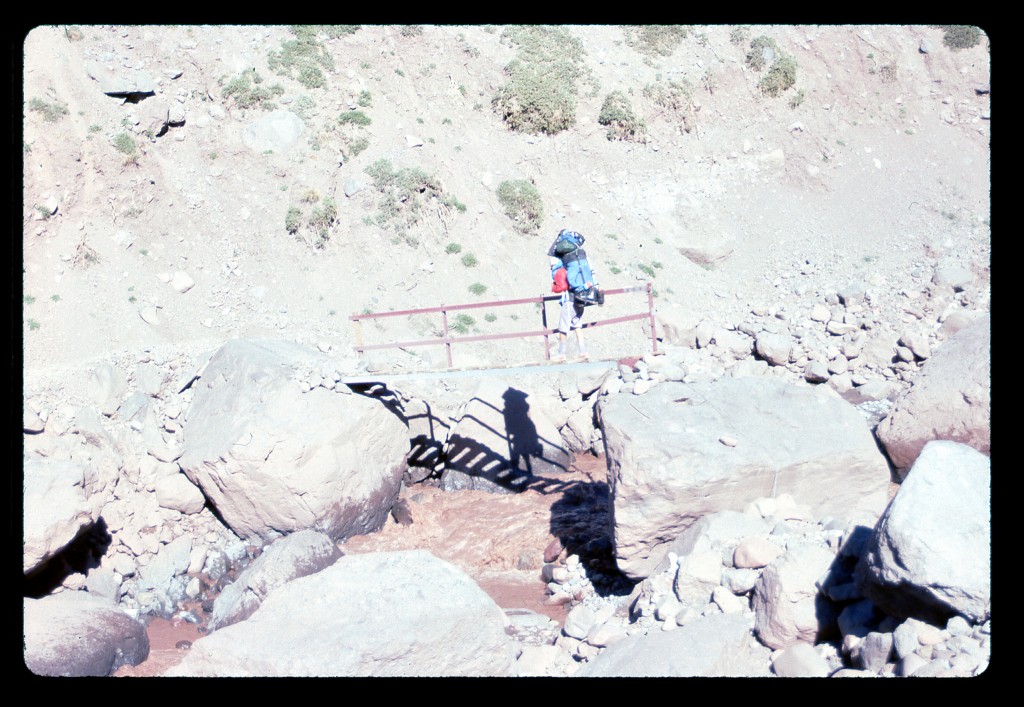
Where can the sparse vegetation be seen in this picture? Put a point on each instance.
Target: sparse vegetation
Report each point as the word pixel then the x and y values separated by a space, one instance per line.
pixel 796 99
pixel 354 117
pixel 321 220
pixel 452 248
pixel 404 193
pixel 32 324
pixel 762 49
pixel 357 146
pixel 960 36
pixel 646 270
pixel 478 288
pixel 43 211
pixel 28 299
pixel 125 144
pixel 411 30
pixel 365 99
pixel 52 111
pixel 310 196
pixel 490 317
pixel 55 298
pixel 293 219
pixel 780 76
pixel 462 323
pixel 656 40
pixel 540 96
pixel 617 115
pixel 469 260
pixel 522 203
pixel 675 97
pixel 738 35
pixel 305 58
pixel 246 92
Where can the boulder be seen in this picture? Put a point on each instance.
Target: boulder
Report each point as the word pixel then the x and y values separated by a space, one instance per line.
pixel 800 660
pixel 929 556
pixel 716 645
pixel 303 553
pixel 274 459
pixel 74 634
pixel 276 131
pixel 773 348
pixel 789 438
pixel 787 604
pixel 55 507
pixel 432 621
pixel 500 441
pixel 178 493
pixel 949 399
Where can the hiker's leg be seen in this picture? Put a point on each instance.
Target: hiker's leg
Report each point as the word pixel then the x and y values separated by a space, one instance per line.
pixel 565 319
pixel 578 325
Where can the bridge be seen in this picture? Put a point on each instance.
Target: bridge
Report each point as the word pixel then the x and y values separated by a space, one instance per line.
pixel 448 340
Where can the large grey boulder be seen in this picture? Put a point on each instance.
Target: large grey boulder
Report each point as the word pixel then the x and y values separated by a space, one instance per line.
pixel 373 615
pixel 274 459
pixel 162 581
pixel 73 634
pixel 949 399
pixel 277 131
pixel 788 607
pixel 684 451
pixel 300 554
pixel 930 554
pixel 716 645
pixel 501 441
pixel 56 508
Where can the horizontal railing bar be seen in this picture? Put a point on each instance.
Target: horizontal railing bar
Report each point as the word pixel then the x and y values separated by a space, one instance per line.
pixel 491 337
pixel 480 305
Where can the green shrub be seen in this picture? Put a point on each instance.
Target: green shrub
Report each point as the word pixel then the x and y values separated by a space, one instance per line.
pixel 961 36
pixel 478 288
pixel 797 99
pixel 655 40
pixel 354 117
pixel 646 270
pixel 739 35
pixel 322 218
pixel 29 299
pixel 462 323
pixel 756 56
pixel 676 97
pixel 452 248
pixel 293 219
pixel 51 112
pixel 617 115
pixel 125 144
pixel 540 96
pixel 490 317
pixel 403 193
pixel 246 92
pixel 780 76
pixel 365 99
pixel 305 58
pixel 522 203
pixel 358 146
pixel 469 260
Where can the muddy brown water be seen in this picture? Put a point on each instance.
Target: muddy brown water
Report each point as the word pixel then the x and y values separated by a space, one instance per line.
pixel 498 540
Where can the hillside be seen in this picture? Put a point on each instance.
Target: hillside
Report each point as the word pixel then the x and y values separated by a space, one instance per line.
pixel 872 167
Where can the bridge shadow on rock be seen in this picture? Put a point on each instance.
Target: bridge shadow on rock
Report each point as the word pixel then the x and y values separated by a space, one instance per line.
pixel 499 449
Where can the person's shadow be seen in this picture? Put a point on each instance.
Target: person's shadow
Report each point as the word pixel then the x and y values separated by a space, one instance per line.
pixel 523 443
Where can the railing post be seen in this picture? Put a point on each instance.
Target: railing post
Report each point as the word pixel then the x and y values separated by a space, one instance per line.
pixel 447 340
pixel 650 313
pixel 544 323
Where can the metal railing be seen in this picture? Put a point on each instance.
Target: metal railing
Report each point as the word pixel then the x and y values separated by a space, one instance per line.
pixel 447 339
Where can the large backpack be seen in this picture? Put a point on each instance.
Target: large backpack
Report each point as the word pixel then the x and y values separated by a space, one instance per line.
pixel 574 259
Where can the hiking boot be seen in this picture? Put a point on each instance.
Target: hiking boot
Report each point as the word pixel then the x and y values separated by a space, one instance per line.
pixel 558 358
pixel 584 356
